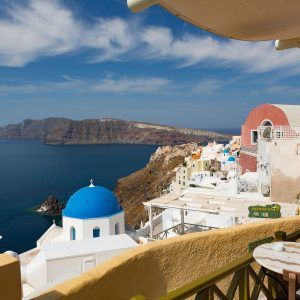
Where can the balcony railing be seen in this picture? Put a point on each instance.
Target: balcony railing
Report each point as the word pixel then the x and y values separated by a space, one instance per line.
pixel 249 150
pixel 247 280
pixel 181 229
pixel 279 132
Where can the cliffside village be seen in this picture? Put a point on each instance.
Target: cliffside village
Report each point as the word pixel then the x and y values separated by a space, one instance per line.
pixel 256 176
pixel 247 180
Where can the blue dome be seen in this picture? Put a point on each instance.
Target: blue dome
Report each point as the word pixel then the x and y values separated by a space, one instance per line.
pixel 225 151
pixel 92 202
pixel 231 158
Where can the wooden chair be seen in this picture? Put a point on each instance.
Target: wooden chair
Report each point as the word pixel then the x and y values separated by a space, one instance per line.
pixel 293 280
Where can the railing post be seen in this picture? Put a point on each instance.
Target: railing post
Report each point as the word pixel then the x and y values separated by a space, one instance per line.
pixel 273 285
pixel 280 235
pixel 182 220
pixel 244 293
pixel 206 294
pixel 151 221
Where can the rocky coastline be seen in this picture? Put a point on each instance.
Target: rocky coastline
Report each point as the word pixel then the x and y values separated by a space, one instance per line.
pixel 62 131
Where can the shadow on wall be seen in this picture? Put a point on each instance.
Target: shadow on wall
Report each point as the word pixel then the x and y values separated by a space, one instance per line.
pixel 157 268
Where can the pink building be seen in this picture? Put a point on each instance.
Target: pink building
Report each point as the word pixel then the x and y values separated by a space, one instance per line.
pixel 274 115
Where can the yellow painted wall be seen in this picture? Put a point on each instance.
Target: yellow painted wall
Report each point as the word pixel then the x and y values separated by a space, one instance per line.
pixel 10 278
pixel 159 267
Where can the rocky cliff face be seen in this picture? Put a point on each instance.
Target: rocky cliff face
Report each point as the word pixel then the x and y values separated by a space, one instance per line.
pixel 103 131
pixel 149 182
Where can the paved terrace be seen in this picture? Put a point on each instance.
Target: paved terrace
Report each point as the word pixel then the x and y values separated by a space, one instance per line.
pixel 215 202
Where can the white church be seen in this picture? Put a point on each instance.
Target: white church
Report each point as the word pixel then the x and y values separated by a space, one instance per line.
pixel 93 231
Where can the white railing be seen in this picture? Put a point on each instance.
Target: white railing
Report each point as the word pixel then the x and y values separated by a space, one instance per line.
pixel 279 132
pixel 249 150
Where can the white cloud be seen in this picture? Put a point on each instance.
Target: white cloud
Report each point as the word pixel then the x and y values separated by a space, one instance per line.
pixel 207 86
pixel 109 84
pixel 46 28
pixel 132 85
pixel 189 50
pixel 39 28
pixel 111 36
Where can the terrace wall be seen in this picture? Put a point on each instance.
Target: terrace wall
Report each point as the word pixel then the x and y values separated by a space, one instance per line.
pixel 159 267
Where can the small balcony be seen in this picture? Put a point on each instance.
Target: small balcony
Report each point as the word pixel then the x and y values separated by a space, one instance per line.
pixel 249 150
pixel 279 133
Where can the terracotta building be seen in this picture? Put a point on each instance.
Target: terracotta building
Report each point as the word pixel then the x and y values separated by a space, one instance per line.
pixel 270 145
pixel 264 115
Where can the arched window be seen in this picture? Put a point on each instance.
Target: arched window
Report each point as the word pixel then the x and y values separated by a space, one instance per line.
pixel 72 234
pixel 117 228
pixel 96 232
pixel 266 123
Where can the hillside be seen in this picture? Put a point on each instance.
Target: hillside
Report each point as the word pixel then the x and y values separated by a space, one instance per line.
pixel 149 182
pixel 105 131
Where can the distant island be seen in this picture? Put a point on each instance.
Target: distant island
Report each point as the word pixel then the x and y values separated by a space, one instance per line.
pixel 62 131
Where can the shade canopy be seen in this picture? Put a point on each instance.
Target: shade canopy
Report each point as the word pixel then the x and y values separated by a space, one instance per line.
pixel 254 20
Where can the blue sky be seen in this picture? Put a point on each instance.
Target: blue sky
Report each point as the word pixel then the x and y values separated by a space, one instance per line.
pixel 92 59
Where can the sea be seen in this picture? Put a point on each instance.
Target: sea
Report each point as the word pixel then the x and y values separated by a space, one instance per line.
pixel 31 171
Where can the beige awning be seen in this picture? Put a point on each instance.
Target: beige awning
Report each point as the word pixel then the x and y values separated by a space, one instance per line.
pixel 252 20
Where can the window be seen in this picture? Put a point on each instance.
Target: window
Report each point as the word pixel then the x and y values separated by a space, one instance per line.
pixel 96 232
pixel 117 228
pixel 279 134
pixel 254 136
pixel 72 234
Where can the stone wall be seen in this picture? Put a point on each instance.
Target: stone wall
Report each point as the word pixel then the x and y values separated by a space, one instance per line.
pixel 285 182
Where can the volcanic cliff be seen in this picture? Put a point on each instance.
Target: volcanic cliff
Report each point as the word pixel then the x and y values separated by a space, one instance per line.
pixel 105 131
pixel 151 181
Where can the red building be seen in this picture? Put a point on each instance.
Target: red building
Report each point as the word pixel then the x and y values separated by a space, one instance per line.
pixel 264 115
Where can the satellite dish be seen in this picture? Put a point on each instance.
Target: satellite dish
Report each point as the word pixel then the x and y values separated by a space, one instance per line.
pixel 267 133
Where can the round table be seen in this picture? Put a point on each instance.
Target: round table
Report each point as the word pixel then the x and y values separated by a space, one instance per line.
pixel 289 259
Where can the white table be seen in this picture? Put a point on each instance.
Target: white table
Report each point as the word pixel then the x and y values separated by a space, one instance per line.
pixel 286 262
pixel 289 259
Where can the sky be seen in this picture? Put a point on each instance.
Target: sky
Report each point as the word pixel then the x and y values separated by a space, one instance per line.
pixel 93 59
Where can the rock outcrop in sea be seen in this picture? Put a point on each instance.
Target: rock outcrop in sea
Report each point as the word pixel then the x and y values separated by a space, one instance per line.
pixel 51 207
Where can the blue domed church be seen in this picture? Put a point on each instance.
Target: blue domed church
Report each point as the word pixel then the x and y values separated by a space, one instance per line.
pixel 91 212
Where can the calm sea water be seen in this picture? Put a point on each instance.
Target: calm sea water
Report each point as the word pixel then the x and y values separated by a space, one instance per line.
pixel 31 171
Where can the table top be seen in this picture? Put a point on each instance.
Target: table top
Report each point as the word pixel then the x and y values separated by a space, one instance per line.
pixel 276 261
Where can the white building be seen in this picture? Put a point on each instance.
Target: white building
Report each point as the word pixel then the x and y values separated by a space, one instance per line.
pixel 211 151
pixel 93 231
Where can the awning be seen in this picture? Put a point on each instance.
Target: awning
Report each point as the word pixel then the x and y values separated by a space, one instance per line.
pixel 254 20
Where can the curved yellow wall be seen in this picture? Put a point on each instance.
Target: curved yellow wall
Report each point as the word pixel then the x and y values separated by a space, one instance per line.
pixel 159 267
pixel 10 278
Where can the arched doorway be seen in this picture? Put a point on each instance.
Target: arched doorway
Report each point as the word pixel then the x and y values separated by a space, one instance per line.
pixel 72 234
pixel 117 228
